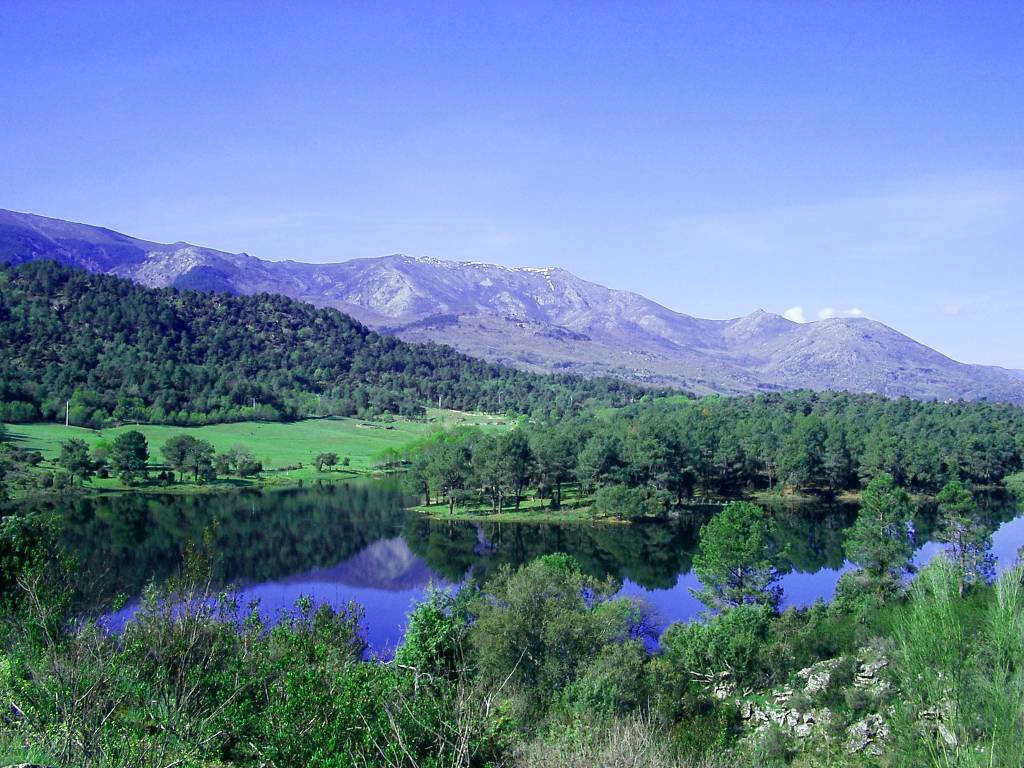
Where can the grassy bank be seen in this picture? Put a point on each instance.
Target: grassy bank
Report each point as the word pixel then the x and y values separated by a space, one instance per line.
pixel 579 508
pixel 575 507
pixel 280 446
pixel 530 511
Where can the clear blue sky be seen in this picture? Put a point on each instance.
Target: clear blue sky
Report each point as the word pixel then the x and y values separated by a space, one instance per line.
pixel 715 156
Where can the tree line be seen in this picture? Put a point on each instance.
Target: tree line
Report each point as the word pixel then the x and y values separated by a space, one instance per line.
pixel 119 352
pixel 127 457
pixel 646 458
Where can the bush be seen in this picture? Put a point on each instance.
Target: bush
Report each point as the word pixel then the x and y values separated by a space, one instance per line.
pixel 960 660
pixel 633 742
pixel 735 641
pixel 707 729
pixel 629 503
pixel 435 636
pixel 614 683
pixel 537 626
pixel 1015 485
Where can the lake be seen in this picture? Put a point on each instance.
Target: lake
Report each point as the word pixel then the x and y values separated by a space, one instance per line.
pixel 341 542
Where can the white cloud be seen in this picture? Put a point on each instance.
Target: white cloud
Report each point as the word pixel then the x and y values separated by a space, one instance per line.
pixel 799 315
pixel 828 312
pixel 796 314
pixel 953 308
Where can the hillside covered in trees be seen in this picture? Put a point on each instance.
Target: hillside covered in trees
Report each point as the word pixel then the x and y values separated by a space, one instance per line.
pixel 121 352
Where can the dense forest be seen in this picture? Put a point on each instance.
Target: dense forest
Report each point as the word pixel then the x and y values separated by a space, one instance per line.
pixel 644 459
pixel 121 353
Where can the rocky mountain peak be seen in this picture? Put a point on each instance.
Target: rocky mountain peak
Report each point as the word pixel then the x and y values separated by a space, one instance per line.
pixel 539 318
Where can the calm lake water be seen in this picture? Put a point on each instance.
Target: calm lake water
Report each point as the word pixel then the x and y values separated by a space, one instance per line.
pixel 337 543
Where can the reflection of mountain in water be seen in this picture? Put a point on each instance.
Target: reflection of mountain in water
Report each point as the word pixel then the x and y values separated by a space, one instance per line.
pixel 359 535
pixel 127 540
pixel 388 564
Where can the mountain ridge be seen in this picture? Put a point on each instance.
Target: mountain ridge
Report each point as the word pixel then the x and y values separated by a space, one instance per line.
pixel 539 318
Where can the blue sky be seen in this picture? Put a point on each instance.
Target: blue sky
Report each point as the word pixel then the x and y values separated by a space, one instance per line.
pixel 810 157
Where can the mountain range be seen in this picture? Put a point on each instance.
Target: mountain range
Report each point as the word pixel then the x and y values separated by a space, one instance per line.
pixel 543 319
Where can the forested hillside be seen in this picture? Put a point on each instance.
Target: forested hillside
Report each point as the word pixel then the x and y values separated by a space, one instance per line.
pixel 122 352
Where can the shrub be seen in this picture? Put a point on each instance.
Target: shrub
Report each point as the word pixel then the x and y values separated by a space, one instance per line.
pixel 613 683
pixel 536 626
pixel 735 642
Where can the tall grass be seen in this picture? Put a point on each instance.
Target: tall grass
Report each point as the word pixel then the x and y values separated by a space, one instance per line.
pixel 960 672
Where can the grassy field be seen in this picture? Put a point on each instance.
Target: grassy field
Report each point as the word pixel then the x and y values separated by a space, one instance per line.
pixel 275 444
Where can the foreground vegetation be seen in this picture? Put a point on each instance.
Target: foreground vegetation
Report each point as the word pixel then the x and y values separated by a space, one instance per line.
pixel 646 459
pixel 539 665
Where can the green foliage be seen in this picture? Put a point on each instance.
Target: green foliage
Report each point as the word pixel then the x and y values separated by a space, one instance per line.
pixel 735 642
pixel 968 540
pixel 185 453
pixel 629 503
pixel 960 672
pixel 124 353
pixel 1015 484
pixel 129 455
pixel 538 625
pixel 237 460
pixel 709 729
pixel 191 681
pixel 733 562
pixel 541 665
pixel 880 540
pixel 648 457
pixel 435 636
pixel 75 458
pixel 26 541
pixel 614 682
pixel 329 460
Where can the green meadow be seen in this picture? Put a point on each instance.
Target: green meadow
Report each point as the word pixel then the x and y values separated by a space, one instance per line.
pixel 280 446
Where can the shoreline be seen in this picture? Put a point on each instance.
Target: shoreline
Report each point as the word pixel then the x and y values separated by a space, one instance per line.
pixel 210 489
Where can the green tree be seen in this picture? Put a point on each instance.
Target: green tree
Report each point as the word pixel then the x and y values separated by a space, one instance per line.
pixel 968 541
pixel 490 471
pixel 328 460
pixel 535 626
pixel 449 467
pixel 880 540
pixel 185 453
pixel 200 459
pixel 435 637
pixel 245 464
pixel 732 560
pixel 517 461
pixel 75 458
pixel 176 453
pixel 597 460
pixel 100 454
pixel 555 452
pixel 129 455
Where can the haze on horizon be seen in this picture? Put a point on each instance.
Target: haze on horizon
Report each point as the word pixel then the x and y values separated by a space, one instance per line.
pixel 807 158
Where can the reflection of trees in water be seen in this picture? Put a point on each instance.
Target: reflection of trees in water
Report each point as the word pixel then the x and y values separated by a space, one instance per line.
pixel 124 541
pixel 651 554
pixel 809 537
pixel 994 509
